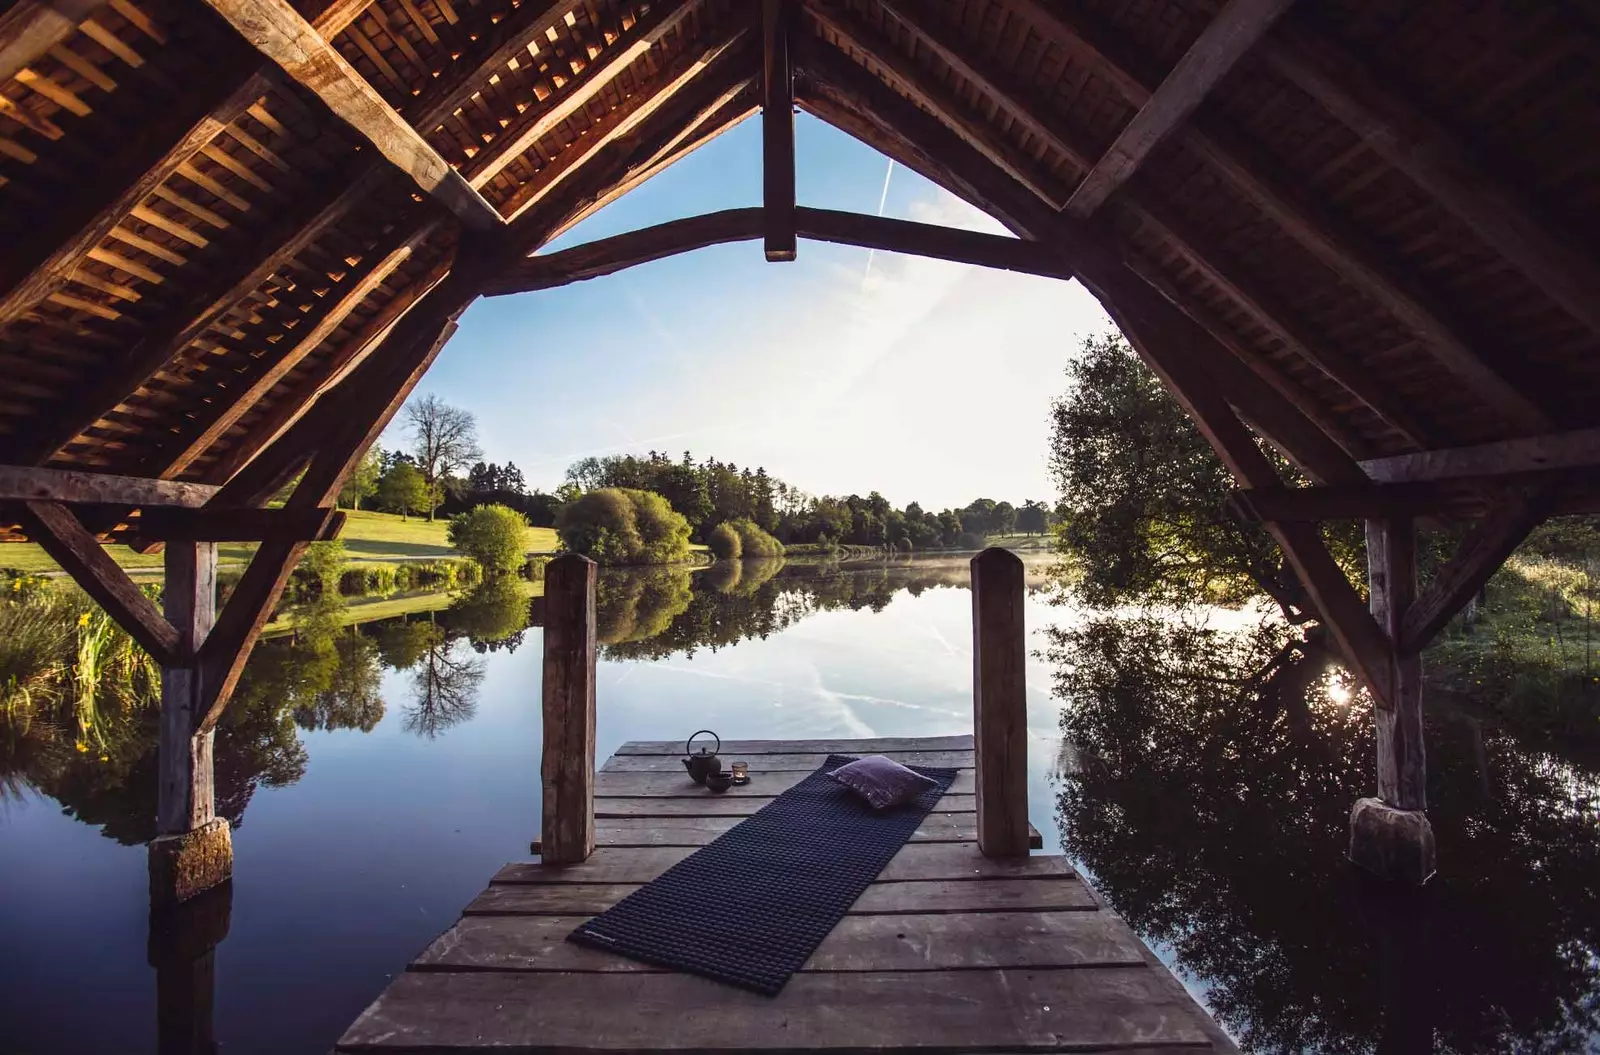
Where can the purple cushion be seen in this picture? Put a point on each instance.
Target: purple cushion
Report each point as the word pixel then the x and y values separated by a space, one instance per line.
pixel 882 781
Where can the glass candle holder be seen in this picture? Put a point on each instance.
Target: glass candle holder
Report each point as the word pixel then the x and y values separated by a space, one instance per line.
pixel 741 772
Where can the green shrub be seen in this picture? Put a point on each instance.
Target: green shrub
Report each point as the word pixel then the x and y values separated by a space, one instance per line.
pixel 366 581
pixel 435 574
pixel 533 570
pixel 968 540
pixel 725 542
pixel 496 536
pixel 618 525
pixel 755 542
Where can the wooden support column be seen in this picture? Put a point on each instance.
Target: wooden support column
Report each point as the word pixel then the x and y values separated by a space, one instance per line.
pixel 1000 702
pixel 193 850
pixel 1390 835
pixel 777 130
pixel 567 773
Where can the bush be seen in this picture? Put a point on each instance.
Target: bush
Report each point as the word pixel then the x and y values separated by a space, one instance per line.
pixel 533 570
pixel 495 536
pixel 755 542
pixel 435 574
pixel 367 580
pixel 725 542
pixel 618 525
pixel 968 540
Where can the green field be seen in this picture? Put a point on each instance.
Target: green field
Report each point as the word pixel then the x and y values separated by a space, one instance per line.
pixel 366 537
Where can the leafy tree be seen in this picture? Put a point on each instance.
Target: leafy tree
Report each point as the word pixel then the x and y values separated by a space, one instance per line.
pixel 403 490
pixel 495 612
pixel 725 542
pixel 1005 518
pixel 444 441
pixel 753 542
pixel 1033 518
pixel 622 525
pixel 494 535
pixel 363 483
pixel 444 689
pixel 322 563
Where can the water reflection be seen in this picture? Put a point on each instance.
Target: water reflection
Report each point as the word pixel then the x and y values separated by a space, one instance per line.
pixel 1209 796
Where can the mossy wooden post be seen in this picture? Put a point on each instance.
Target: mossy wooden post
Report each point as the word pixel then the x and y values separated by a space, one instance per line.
pixel 567 835
pixel 1000 703
pixel 193 850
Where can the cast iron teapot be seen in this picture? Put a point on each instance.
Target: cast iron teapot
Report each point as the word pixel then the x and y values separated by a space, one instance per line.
pixel 702 764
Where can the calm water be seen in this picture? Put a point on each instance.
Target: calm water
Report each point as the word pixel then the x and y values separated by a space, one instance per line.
pixel 377 777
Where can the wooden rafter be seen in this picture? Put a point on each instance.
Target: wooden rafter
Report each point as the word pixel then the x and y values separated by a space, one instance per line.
pixel 1330 240
pixel 20 483
pixel 1429 154
pixel 1231 33
pixel 33 27
pixel 777 130
pixel 305 524
pixel 1577 449
pixel 494 46
pixel 279 32
pixel 577 92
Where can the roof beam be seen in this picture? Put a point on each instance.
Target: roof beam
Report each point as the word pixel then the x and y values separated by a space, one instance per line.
pixel 279 32
pixel 1407 138
pixel 1324 236
pixel 777 131
pixel 615 58
pixel 28 484
pixel 1281 504
pixel 234 276
pixel 498 43
pixel 33 27
pixel 309 524
pixel 1233 31
pixel 1531 454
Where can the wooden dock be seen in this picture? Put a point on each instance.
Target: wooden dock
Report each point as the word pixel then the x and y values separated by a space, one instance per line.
pixel 948 951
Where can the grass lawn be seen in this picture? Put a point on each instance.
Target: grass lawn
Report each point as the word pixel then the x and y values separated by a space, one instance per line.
pixel 367 537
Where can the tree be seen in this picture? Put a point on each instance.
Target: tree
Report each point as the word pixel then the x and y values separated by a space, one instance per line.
pixel 495 536
pixel 444 441
pixel 622 525
pixel 753 542
pixel 1033 518
pixel 403 490
pixel 1005 518
pixel 725 542
pixel 363 483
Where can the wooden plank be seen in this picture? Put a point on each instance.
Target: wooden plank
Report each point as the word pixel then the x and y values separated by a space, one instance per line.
pixel 1477 557
pixel 53 527
pixel 678 785
pixel 1000 702
pixel 721 804
pixel 777 131
pixel 24 484
pixel 916 861
pixel 910 942
pixel 700 830
pixel 494 46
pixel 568 831
pixel 1057 893
pixel 1562 450
pixel 1407 138
pixel 782 763
pixel 1223 42
pixel 32 27
pixel 312 524
pixel 988 1010
pixel 185 790
pixel 279 32
pixel 863 746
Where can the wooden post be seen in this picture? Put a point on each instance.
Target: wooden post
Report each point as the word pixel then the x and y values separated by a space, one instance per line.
pixel 1000 703
pixel 567 774
pixel 777 131
pixel 193 851
pixel 182 947
pixel 1390 835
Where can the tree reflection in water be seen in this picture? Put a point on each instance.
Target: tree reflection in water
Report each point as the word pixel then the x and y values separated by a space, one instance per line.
pixel 1209 794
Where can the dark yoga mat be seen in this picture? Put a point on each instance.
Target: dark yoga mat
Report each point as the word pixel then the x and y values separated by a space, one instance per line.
pixel 750 908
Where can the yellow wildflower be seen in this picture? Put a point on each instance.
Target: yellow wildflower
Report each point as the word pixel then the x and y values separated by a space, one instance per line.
pixel 82 747
pixel 105 758
pixel 83 620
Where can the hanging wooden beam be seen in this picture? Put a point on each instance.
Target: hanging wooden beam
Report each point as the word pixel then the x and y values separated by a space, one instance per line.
pixel 1231 33
pixel 54 527
pixel 1283 504
pixel 1326 237
pixel 223 413
pixel 573 96
pixel 931 240
pixel 1561 450
pixel 20 483
pixel 1407 138
pixel 1477 557
pixel 33 27
pixel 309 524
pixel 777 131
pixel 279 32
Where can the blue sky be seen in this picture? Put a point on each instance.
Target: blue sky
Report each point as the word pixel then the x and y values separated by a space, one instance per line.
pixel 924 380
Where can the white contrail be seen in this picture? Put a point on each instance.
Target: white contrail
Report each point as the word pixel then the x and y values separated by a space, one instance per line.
pixel 882 199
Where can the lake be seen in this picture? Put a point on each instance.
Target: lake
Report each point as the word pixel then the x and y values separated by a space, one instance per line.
pixel 1199 773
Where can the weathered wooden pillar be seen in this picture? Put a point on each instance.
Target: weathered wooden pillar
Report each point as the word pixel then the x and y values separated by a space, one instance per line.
pixel 1390 835
pixel 193 850
pixel 1000 702
pixel 567 774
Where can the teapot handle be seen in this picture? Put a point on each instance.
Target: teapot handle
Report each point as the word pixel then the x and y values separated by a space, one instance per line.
pixel 688 746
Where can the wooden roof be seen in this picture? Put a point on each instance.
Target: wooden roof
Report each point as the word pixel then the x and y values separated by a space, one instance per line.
pixel 1384 210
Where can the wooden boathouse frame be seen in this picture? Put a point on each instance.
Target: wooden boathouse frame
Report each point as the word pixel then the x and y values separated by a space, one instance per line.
pixel 237 233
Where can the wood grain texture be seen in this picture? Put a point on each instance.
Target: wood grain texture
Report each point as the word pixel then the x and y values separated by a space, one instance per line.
pixel 733 749
pixel 1579 448
pixel 568 833
pixel 1391 590
pixel 777 131
pixel 32 27
pixel 784 762
pixel 678 785
pixel 186 792
pixel 721 804
pixel 1000 702
pixel 25 484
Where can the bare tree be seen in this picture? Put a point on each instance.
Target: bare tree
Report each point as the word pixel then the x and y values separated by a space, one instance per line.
pixel 444 441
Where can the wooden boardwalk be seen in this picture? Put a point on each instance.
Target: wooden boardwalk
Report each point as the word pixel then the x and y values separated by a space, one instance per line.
pixel 947 951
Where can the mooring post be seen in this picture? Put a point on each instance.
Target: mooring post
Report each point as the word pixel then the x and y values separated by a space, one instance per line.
pixel 1000 702
pixel 193 849
pixel 567 834
pixel 1390 835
